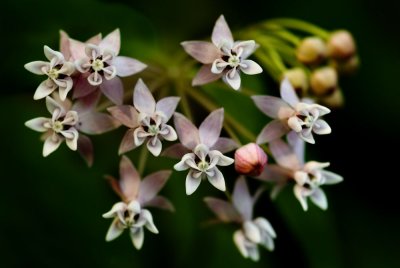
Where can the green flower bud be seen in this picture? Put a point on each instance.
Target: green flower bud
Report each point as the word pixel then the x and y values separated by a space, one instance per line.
pixel 312 50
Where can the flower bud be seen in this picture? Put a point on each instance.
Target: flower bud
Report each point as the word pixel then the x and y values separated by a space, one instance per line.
pixel 312 50
pixel 324 81
pixel 341 45
pixel 299 80
pixel 250 160
pixel 335 100
pixel 348 66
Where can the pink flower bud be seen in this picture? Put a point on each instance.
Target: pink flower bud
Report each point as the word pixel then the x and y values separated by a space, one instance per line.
pixel 311 50
pixel 341 45
pixel 250 160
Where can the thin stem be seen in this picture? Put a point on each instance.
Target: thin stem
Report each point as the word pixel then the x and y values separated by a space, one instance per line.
pixel 142 159
pixel 299 25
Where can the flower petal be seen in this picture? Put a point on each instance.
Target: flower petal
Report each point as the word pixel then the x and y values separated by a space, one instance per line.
pixel 51 144
pixel 160 202
pixel 273 107
pixel 112 41
pixel 176 151
pixel 298 193
pixel 65 88
pixel 187 133
pixel 250 67
pixel 167 107
pixel 168 133
pixel 126 114
pixel 221 34
pixel 82 87
pixel 127 142
pixel 240 242
pixel 85 149
pixel 219 159
pixel 154 145
pixel 242 199
pixel 284 155
pixel 129 178
pixel 307 136
pixel 37 67
pixel 96 123
pixel 251 232
pixel 64 45
pixel 77 49
pixel 137 237
pixel 246 48
pixel 288 93
pixel 71 138
pixel 320 127
pixel 330 177
pixel 192 183
pixel 127 66
pixel 319 198
pixel 297 144
pixel 95 79
pixel 113 90
pixel 152 184
pixel 183 164
pixel 272 131
pixel 265 225
pixel 115 230
pixel 205 76
pixel 149 221
pixel 143 99
pixel 223 209
pixel 53 55
pixel 37 124
pixel 210 128
pixel 224 145
pixel 217 179
pixel 204 52
pixel 232 78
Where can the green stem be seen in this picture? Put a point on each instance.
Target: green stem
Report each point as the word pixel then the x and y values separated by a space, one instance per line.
pixel 299 25
pixel 142 159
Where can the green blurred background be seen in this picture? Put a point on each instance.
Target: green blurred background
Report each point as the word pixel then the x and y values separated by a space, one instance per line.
pixel 51 208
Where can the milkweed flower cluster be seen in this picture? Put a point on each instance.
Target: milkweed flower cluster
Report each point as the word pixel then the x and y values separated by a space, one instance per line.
pixel 85 94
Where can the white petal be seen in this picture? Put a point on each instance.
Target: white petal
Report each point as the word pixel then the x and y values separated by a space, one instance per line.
pixel 137 237
pixel 254 254
pixel 298 192
pixel 307 136
pixel 239 239
pixel 95 79
pixel 250 67
pixel 149 221
pixel 155 146
pixel 140 136
pixel 288 93
pixel 267 242
pixel 51 54
pixel 143 99
pixel 67 86
pixel 71 138
pixel 117 208
pixel 37 67
pixel 115 230
pixel 252 232
pixel 37 124
pixel 182 165
pixel 301 177
pixel 242 199
pixel 221 34
pixel 265 225
pixel 217 179
pixel 295 123
pixel 220 159
pixel 44 89
pixel 320 127
pixel 232 78
pixel 126 66
pixel 330 177
pixel 192 183
pixel 168 133
pixel 51 144
pixel 319 198
pixel 218 66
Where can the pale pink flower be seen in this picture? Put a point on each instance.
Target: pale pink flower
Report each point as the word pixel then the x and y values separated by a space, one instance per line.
pixel 147 120
pixel 204 150
pixel 253 232
pixel 223 57
pixel 58 72
pixel 290 114
pixel 136 194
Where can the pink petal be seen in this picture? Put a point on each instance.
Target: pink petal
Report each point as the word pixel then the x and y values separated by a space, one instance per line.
pixel 113 90
pixel 127 66
pixel 152 184
pixel 85 149
pixel 53 105
pixel 126 114
pixel 37 67
pixel 87 103
pixel 272 131
pixel 129 179
pixel 96 123
pixel 161 202
pixel 187 133
pixel 297 145
pixel 210 128
pixel 242 199
pixel 44 89
pixel 127 142
pixel 176 151
pixel 82 87
pixel 221 34
pixel 223 210
pixel 250 67
pixel 94 39
pixel 154 145
pixel 64 45
pixel 287 92
pixel 167 106
pixel 76 49
pixel 205 76
pixel 232 78
pixel 204 52
pixel 143 99
pixel 284 155
pixel 114 183
pixel 224 145
pixel 112 41
pixel 273 107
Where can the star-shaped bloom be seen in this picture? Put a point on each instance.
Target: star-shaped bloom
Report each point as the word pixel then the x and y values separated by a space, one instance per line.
pixel 203 150
pixel 147 120
pixel 253 232
pixel 223 57
pixel 290 114
pixel 100 66
pixel 309 177
pixel 136 194
pixel 58 72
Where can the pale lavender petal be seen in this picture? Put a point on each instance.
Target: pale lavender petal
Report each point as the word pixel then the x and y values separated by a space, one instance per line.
pixel 68 68
pixel 95 79
pixel 87 103
pixel 82 87
pixel 85 149
pixel 37 67
pixel 187 132
pixel 112 41
pixel 126 114
pixel 224 145
pixel 154 145
pixel 218 66
pixel 127 66
pixel 167 106
pixel 160 202
pixel 77 49
pixel 272 131
pixel 184 163
pixel 204 52
pixel 64 90
pixel 240 242
pixel 113 89
pixel 143 99
pixel 221 34
pixel 94 39
pixel 168 133
pixel 284 155
pixel 71 138
pixel 297 145
pixel 288 93
pixel 205 76
pixel 137 237
pixel 176 151
pixel 295 123
pixel 250 67
pixel 330 177
pixel 223 209
pixel 319 198
pixel 307 136
pixel 273 107
pixel 192 183
pixel 96 123
pixel 232 78
pixel 115 230
pixel 51 144
pixel 217 158
pixel 267 242
pixel 242 199
pixel 298 193
pixel 140 136
pixel 152 184
pixel 245 48
pixel 265 225
pixel 252 232
pixel 127 142
pixel 320 127
pixel 109 72
pixel 129 178
pixel 64 45
pixel 210 128
pixel 216 178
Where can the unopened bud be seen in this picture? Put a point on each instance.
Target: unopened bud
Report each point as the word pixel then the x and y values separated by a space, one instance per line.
pixel 324 81
pixel 250 160
pixel 341 45
pixel 312 50
pixel 299 80
pixel 348 66
pixel 335 100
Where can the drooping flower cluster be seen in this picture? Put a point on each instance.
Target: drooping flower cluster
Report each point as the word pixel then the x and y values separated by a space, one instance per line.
pixel 91 71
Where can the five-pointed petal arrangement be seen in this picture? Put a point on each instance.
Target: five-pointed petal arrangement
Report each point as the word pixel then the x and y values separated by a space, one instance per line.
pixel 147 121
pixel 58 72
pixel 253 232
pixel 136 194
pixel 223 57
pixel 290 114
pixel 205 155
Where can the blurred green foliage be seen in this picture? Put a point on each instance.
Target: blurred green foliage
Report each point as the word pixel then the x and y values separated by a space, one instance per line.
pixel 52 207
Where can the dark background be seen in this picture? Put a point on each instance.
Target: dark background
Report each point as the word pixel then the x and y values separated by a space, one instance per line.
pixel 51 208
